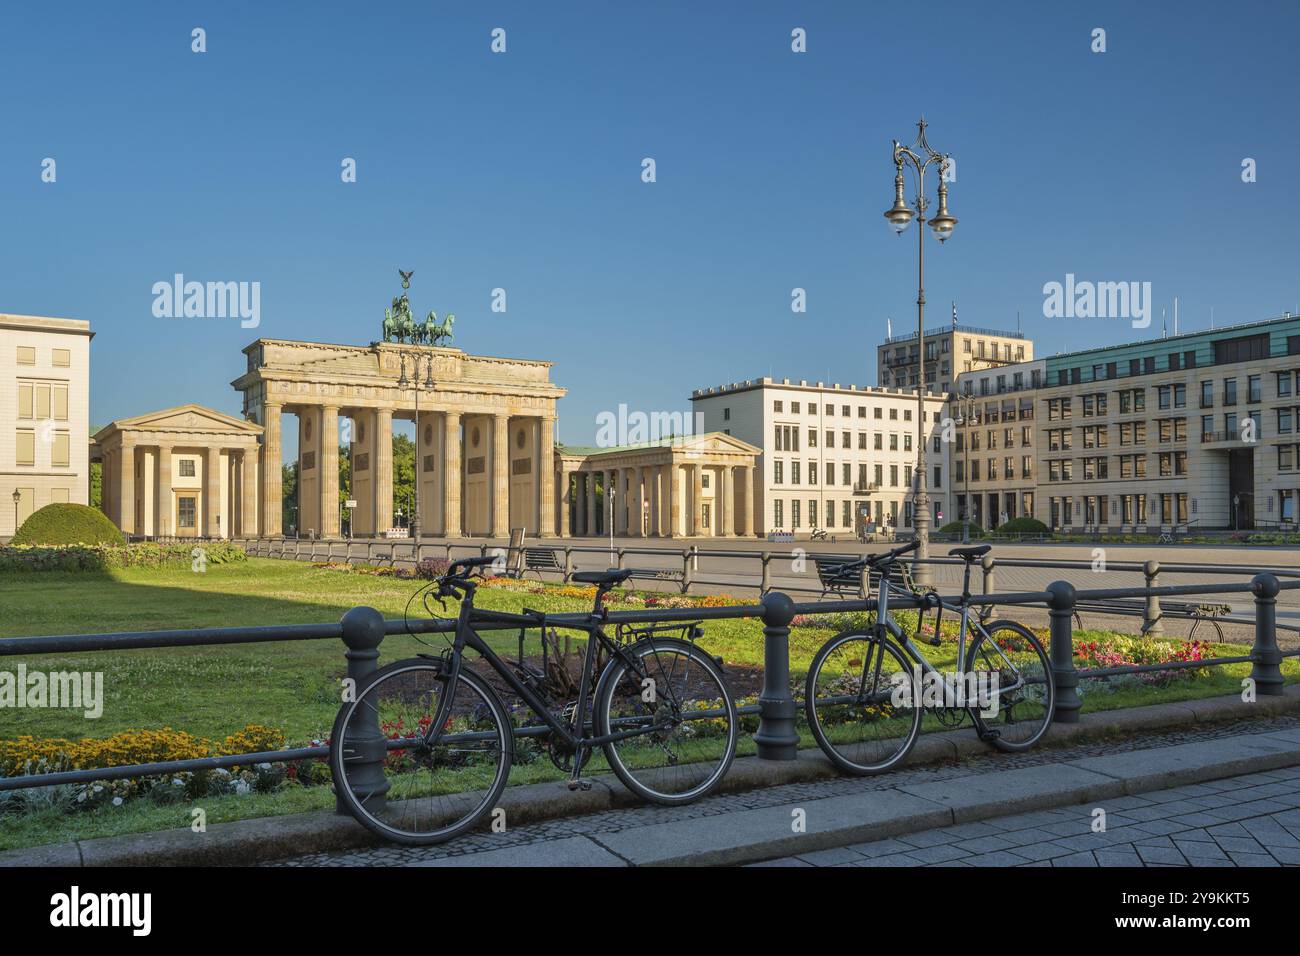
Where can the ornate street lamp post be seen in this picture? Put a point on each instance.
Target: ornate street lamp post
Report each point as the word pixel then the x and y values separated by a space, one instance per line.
pixel 920 157
pixel 418 360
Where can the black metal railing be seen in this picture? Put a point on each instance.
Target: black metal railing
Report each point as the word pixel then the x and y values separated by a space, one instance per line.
pixel 363 629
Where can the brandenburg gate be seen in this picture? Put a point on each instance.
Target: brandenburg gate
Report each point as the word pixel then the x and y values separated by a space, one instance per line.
pixel 484 437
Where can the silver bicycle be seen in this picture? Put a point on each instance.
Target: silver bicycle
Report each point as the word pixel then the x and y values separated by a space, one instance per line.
pixel 869 688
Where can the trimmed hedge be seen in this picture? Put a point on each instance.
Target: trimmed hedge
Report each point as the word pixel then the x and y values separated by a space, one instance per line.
pixel 67 523
pixel 1023 525
pixel 103 557
pixel 955 527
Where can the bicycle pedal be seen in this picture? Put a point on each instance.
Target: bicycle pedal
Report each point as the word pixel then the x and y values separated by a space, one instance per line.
pixel 580 785
pixel 989 736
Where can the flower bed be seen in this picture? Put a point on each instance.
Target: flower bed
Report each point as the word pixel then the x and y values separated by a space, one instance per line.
pixel 28 755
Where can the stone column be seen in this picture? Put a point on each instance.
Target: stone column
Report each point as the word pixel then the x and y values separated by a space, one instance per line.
pixel 546 477
pixel 747 505
pixel 383 470
pixel 212 500
pixel 611 487
pixel 451 477
pixel 579 503
pixel 501 476
pixel 634 503
pixel 652 492
pixel 697 485
pixel 165 520
pixel 124 484
pixel 728 514
pixel 328 463
pixel 674 501
pixel 272 490
pixel 663 500
pixel 593 505
pixel 563 479
pixel 248 495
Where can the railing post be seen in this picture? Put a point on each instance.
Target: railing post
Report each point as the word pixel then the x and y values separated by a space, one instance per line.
pixel 1064 675
pixel 620 559
pixel 776 737
pixel 988 564
pixel 1267 670
pixel 568 563
pixel 363 631
pixel 1151 625
pixel 765 584
pixel 688 573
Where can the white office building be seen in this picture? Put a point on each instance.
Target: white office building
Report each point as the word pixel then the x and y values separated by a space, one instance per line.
pixel 838 458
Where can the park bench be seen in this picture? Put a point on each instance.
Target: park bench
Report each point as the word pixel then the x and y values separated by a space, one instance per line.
pixel 1198 613
pixel 543 559
pixel 836 578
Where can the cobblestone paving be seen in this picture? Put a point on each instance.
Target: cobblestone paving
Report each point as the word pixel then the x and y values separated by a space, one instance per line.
pixel 612 821
pixel 1251 820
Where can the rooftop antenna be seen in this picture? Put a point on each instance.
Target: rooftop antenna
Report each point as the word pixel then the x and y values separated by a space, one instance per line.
pixel 1017 321
pixel 1175 315
pixel 1164 325
pixel 1211 318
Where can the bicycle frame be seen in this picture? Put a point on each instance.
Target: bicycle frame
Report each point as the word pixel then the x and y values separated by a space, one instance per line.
pixel 571 736
pixel 886 621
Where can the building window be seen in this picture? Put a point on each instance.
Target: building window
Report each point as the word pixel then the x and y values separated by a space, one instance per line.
pixel 187 468
pixel 778 472
pixel 778 406
pixel 60 450
pixel 60 358
pixel 186 512
pixel 26 355
pixel 25 447
pixel 778 514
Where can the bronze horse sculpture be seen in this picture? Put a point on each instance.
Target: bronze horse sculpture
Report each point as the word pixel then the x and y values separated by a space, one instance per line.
pixel 400 325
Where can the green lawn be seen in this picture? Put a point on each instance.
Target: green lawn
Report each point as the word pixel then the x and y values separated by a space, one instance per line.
pixel 294 686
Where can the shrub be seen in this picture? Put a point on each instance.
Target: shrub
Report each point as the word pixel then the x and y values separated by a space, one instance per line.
pixel 1023 525
pixel 68 523
pixel 100 557
pixel 955 527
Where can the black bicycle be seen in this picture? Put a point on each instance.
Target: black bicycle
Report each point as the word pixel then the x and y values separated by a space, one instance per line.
pixel 868 688
pixel 659 709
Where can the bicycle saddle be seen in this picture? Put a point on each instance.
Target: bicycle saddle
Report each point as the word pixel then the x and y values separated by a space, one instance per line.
pixel 971 553
pixel 612 576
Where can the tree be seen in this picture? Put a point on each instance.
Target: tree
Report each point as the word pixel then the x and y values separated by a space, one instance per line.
pixel 403 475
pixel 289 496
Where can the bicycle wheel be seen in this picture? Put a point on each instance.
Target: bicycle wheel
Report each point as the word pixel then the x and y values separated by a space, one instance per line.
pixel 426 794
pixel 1026 695
pixel 850 705
pixel 675 695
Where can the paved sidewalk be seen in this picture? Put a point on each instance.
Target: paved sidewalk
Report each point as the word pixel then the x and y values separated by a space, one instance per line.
pixel 937 805
pixel 1250 820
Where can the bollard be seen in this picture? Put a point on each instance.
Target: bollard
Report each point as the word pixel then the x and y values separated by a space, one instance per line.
pixel 1267 669
pixel 1151 625
pixel 765 584
pixel 1064 675
pixel 988 564
pixel 363 630
pixel 688 572
pixel 776 737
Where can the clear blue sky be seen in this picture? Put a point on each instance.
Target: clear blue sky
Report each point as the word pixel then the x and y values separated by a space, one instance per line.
pixel 522 171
